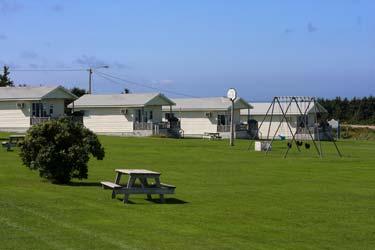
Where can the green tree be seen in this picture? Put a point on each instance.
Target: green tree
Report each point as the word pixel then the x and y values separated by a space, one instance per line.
pixel 4 78
pixel 60 150
pixel 78 91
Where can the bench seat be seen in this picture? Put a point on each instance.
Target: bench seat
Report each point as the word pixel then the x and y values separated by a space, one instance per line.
pixel 167 185
pixel 110 185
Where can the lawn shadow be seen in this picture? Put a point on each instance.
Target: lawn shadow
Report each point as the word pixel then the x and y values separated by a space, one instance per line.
pixel 157 200
pixel 84 184
pixel 168 201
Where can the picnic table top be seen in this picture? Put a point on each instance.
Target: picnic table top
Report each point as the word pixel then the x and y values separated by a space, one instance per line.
pixel 137 171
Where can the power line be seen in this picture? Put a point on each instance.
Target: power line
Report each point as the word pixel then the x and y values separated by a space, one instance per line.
pixel 43 70
pixel 110 77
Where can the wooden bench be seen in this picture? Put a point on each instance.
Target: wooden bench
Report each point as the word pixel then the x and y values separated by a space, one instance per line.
pixel 110 185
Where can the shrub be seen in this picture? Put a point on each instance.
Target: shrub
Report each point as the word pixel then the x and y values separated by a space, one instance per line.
pixel 60 150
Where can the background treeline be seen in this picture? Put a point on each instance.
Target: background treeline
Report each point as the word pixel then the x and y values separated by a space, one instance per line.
pixel 353 111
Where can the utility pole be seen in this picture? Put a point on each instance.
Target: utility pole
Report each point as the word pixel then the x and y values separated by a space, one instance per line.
pixel 90 70
pixel 90 80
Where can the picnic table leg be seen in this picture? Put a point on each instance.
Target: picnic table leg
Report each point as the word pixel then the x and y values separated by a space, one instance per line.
pixel 130 184
pixel 157 181
pixel 117 181
pixel 145 184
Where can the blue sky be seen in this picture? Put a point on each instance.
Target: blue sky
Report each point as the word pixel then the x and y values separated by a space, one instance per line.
pixel 201 48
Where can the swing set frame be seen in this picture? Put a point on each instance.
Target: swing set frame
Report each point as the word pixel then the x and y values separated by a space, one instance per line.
pixel 298 100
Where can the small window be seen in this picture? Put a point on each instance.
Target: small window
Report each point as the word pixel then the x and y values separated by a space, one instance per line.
pixel 51 109
pixel 34 109
pixel 151 115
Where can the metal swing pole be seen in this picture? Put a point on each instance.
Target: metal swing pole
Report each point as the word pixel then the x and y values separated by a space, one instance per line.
pixel 333 140
pixel 290 129
pixel 278 127
pixel 294 135
pixel 316 147
pixel 269 126
pixel 317 129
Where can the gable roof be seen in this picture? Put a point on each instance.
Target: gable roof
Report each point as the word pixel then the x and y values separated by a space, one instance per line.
pixel 260 108
pixel 207 104
pixel 122 100
pixel 35 93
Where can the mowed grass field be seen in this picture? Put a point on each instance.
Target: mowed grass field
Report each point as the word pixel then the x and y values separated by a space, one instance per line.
pixel 226 198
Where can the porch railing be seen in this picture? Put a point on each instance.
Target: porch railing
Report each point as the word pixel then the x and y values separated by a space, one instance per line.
pixel 143 126
pixel 237 127
pixel 160 125
pixel 168 125
pixel 38 120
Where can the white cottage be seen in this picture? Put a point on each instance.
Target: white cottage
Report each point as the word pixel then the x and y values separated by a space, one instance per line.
pixel 123 114
pixel 21 107
pixel 293 116
pixel 207 115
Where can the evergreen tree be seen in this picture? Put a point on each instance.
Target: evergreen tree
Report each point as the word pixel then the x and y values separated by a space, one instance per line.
pixel 4 78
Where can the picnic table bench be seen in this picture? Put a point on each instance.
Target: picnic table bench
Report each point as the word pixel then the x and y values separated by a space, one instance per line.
pixel 144 188
pixel 211 135
pixel 13 141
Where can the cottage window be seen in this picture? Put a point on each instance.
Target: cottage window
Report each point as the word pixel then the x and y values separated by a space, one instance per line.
pixel 51 109
pixel 223 119
pixel 38 110
pixel 151 115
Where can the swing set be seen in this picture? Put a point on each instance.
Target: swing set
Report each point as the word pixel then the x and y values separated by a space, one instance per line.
pixel 302 135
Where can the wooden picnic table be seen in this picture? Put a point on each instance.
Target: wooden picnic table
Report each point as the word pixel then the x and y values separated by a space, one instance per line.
pixel 211 135
pixel 13 141
pixel 145 187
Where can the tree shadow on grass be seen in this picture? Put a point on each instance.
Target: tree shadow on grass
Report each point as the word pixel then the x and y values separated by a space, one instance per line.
pixel 157 200
pixel 168 201
pixel 84 184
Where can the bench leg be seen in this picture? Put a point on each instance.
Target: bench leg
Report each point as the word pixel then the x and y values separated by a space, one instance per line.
pixel 144 184
pixel 117 181
pixel 130 184
pixel 157 181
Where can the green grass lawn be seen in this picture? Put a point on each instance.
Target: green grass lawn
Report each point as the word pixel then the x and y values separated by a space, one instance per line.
pixel 226 198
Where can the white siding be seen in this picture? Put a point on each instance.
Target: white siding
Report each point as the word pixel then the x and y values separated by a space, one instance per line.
pixel 196 123
pixel 13 117
pixel 283 130
pixel 108 120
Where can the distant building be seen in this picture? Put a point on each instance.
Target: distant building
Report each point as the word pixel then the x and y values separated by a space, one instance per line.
pixel 207 115
pixel 21 107
pixel 124 114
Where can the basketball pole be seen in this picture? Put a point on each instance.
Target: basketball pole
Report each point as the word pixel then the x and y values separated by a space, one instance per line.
pixel 231 140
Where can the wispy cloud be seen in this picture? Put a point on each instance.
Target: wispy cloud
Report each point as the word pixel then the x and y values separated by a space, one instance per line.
pixel 166 82
pixel 311 28
pixel 288 31
pixel 92 61
pixel 57 7
pixel 28 54
pixel 7 6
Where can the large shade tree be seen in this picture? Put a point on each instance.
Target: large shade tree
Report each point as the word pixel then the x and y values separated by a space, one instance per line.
pixel 60 150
